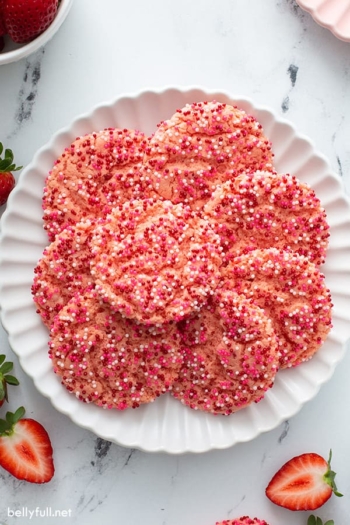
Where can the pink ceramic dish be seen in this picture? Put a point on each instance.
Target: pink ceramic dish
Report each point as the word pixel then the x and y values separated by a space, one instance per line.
pixel 332 14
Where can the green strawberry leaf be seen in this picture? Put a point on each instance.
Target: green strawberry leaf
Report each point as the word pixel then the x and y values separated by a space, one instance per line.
pixel 19 413
pixel 1 148
pixel 329 477
pixel 2 356
pixel 4 427
pixel 8 154
pixel 313 520
pixel 6 367
pixel 2 392
pixel 11 380
pixel 5 164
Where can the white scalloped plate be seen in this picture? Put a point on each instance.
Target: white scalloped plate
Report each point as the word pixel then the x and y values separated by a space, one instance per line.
pixel 332 14
pixel 166 425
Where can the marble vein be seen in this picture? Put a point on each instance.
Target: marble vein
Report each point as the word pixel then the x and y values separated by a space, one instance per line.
pixel 284 432
pixel 29 89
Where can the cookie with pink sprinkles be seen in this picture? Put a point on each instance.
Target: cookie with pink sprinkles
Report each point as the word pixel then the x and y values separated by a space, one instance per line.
pixel 63 270
pixel 292 292
pixel 269 210
pixel 111 361
pixel 92 175
pixel 230 356
pixel 244 520
pixel 202 145
pixel 155 261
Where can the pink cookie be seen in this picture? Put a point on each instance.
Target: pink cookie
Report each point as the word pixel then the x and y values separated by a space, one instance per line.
pixel 93 175
pixel 203 145
pixel 63 270
pixel 266 210
pixel 244 520
pixel 292 292
pixel 111 361
pixel 230 356
pixel 155 261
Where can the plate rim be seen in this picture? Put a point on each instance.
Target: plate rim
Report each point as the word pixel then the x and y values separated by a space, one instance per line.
pixel 183 90
pixel 308 6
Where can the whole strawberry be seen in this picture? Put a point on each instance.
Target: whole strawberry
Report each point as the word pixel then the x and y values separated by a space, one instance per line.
pixel 305 482
pixel 2 21
pixel 27 19
pixel 2 26
pixel 25 448
pixel 7 180
pixel 6 378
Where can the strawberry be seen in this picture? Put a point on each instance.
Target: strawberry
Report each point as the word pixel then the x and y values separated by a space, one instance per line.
pixel 7 180
pixel 303 483
pixel 2 26
pixel 27 19
pixel 25 448
pixel 5 378
pixel 2 21
pixel 313 520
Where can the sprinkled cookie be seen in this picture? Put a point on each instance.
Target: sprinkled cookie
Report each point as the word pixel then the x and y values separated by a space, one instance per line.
pixel 63 270
pixel 111 361
pixel 155 261
pixel 264 210
pixel 292 292
pixel 230 356
pixel 92 175
pixel 244 520
pixel 201 146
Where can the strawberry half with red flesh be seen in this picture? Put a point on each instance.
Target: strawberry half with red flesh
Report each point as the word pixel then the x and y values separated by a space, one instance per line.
pixel 305 482
pixel 27 19
pixel 25 448
pixel 7 180
pixel 6 378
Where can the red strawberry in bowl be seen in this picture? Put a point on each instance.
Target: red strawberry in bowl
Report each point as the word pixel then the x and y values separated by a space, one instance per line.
pixel 25 448
pixel 305 482
pixel 27 19
pixel 5 378
pixel 7 180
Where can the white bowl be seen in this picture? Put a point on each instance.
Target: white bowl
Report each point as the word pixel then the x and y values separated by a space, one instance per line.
pixel 166 425
pixel 14 52
pixel 332 14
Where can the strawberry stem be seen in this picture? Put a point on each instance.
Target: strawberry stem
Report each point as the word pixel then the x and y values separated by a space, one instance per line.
pixel 6 163
pixel 329 477
pixel 7 425
pixel 313 520
pixel 6 378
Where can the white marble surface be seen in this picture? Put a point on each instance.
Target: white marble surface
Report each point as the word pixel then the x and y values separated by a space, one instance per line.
pixel 274 53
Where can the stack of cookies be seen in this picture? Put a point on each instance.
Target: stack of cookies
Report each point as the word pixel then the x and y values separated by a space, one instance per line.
pixel 181 262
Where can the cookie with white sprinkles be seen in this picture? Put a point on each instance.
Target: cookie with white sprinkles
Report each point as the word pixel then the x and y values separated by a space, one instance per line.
pixel 230 356
pixel 63 270
pixel 269 210
pixel 292 292
pixel 201 146
pixel 244 520
pixel 155 261
pixel 96 172
pixel 113 362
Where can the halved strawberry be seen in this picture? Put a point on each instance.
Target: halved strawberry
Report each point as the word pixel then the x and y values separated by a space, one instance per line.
pixel 303 483
pixel 313 520
pixel 25 448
